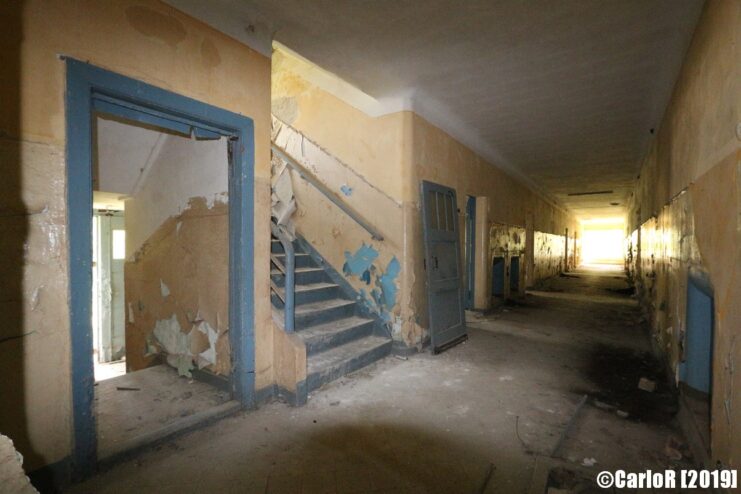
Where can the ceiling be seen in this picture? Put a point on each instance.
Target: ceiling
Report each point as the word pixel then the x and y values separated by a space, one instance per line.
pixel 123 154
pixel 563 94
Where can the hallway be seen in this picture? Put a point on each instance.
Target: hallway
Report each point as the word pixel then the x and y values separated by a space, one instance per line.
pixel 437 423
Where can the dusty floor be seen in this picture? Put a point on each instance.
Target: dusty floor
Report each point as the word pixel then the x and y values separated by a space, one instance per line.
pixel 144 401
pixel 496 405
pixel 109 370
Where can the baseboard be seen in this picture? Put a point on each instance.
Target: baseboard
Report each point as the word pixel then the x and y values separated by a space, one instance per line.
pixel 52 478
pixel 221 383
pixel 274 392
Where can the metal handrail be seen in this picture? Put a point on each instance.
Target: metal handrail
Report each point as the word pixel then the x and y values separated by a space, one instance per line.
pixel 289 271
pixel 309 177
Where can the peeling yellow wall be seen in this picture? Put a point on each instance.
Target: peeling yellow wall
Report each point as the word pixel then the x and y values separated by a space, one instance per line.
pixel 392 154
pixel 182 270
pixel 686 212
pixel 143 39
pixel 508 242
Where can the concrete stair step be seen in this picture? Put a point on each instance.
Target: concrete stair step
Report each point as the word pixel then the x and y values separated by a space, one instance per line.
pixel 304 275
pixel 325 336
pixel 331 364
pixel 315 313
pixel 323 312
pixel 302 260
pixel 311 292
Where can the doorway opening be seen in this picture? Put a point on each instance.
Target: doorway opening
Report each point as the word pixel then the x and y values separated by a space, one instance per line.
pixel 109 253
pixel 514 275
pixel 161 283
pixel 160 279
pixel 696 369
pixel 497 277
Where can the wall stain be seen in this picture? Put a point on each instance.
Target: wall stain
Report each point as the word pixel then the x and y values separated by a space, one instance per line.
pixel 155 24
pixel 209 54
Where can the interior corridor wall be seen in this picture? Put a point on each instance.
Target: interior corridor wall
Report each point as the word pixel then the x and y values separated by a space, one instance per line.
pixel 440 158
pixel 381 161
pixel 143 39
pixel 685 213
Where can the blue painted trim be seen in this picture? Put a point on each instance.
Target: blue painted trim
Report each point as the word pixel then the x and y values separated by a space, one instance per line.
pixel 289 286
pixel 470 249
pixel 85 84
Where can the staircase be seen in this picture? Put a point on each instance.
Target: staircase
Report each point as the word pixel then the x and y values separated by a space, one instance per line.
pixel 338 338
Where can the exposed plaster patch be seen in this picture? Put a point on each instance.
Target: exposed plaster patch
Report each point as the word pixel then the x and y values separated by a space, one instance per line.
pixel 208 356
pixel 176 344
pixel 163 289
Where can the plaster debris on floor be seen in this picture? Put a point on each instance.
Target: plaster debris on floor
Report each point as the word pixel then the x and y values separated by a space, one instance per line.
pixel 438 423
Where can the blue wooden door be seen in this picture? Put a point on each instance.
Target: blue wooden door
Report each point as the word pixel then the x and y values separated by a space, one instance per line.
pixel 442 263
pixel 696 370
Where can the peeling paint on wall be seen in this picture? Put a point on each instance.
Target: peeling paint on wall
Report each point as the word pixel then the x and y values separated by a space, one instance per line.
pixel 359 264
pixel 175 343
pixel 194 300
pixel 387 284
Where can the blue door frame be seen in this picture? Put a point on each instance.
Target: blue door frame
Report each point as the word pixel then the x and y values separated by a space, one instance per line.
pixel 90 90
pixel 470 249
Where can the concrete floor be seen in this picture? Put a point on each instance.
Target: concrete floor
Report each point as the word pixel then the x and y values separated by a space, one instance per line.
pixel 140 403
pixel 108 370
pixel 496 405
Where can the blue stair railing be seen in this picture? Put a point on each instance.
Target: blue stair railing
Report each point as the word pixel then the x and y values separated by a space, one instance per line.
pixel 288 269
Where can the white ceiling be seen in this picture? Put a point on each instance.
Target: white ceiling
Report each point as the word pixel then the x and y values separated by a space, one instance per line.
pixel 561 93
pixel 123 154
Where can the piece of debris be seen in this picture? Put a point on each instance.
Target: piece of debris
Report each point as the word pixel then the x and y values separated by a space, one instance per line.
pixel 622 414
pixel 487 478
pixel 401 357
pixel 334 403
pixel 647 385
pixel 12 476
pixel 588 462
pixel 127 388
pixel 673 449
pixel 602 405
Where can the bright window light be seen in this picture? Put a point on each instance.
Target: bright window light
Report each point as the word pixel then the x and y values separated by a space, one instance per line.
pixel 119 244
